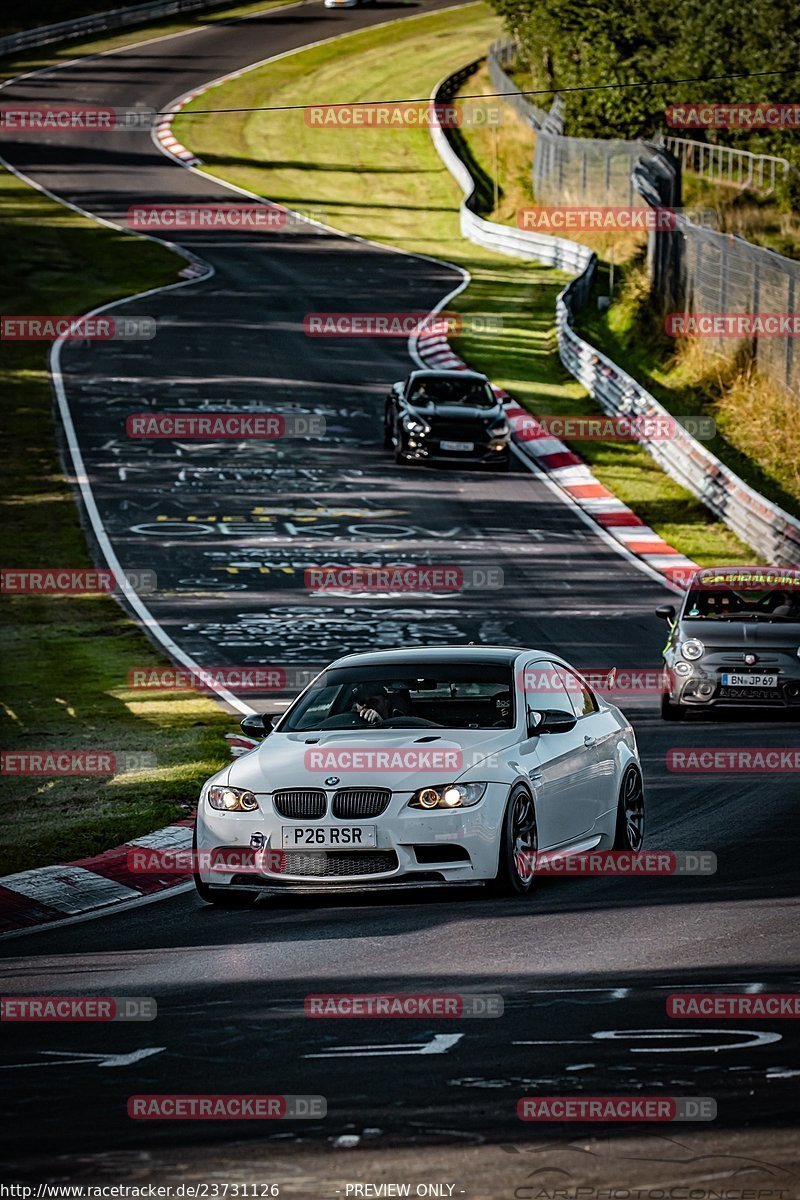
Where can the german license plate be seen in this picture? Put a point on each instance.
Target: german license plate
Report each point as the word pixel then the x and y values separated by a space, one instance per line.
pixel 327 837
pixel 464 446
pixel 753 681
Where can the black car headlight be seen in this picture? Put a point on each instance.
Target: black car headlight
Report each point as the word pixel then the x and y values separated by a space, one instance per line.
pixel 448 795
pixel 231 799
pixel 414 425
pixel 500 430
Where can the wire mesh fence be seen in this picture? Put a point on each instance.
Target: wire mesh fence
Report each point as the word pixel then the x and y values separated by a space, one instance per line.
pixel 694 270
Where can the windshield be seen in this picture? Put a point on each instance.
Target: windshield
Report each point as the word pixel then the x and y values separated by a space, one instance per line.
pixel 746 604
pixel 423 695
pixel 433 390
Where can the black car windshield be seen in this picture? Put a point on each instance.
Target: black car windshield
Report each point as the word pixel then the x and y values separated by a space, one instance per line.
pixel 414 695
pixel 436 390
pixel 745 604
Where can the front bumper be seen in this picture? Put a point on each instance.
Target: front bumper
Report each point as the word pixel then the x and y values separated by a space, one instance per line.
pixel 411 846
pixel 422 450
pixel 702 687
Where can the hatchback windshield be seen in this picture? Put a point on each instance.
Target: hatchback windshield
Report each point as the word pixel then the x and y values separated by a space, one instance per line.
pixel 469 392
pixel 424 695
pixel 746 604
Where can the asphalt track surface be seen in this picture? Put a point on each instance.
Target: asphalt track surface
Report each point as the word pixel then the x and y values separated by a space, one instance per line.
pixel 580 959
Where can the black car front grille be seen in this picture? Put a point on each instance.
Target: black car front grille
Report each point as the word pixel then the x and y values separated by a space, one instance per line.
pixel 306 805
pixel 339 863
pixel 352 804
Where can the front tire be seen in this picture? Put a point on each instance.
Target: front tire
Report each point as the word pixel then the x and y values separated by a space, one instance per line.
pixel 518 846
pixel 629 832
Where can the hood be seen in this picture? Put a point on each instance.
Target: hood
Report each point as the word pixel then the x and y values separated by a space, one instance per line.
pixel 457 412
pixel 739 635
pixel 416 757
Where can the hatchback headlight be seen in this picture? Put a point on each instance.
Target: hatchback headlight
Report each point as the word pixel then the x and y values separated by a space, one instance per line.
pixel 231 799
pixel 500 429
pixel 448 795
pixel 693 649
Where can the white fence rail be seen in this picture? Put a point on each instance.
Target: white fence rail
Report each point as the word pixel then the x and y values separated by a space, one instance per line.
pixel 724 164
pixel 101 22
pixel 763 525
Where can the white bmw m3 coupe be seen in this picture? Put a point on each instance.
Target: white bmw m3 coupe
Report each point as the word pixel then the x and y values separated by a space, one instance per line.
pixel 435 765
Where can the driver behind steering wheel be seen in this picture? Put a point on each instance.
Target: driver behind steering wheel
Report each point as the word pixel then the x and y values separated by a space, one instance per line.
pixel 378 706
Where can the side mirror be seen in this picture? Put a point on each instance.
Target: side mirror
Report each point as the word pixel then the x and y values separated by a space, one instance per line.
pixel 552 720
pixel 258 724
pixel 666 612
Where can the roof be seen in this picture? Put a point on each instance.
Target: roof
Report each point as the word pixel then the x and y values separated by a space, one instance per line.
pixel 442 373
pixel 438 654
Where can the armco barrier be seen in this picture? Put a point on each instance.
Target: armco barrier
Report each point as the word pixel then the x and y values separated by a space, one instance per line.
pixel 101 22
pixel 768 529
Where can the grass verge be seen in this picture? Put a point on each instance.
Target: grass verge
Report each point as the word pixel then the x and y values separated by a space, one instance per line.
pixel 390 185
pixel 66 659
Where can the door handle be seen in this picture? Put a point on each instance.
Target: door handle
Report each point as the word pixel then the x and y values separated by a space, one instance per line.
pixel 589 740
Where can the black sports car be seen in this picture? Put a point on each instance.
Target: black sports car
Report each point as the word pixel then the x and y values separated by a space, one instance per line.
pixel 438 416
pixel 735 641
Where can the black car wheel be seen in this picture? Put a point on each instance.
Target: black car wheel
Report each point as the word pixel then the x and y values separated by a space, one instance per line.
pixel 387 430
pixel 518 846
pixel 670 711
pixel 629 833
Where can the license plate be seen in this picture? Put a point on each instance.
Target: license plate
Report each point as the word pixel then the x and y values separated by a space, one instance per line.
pixel 753 681
pixel 465 446
pixel 327 837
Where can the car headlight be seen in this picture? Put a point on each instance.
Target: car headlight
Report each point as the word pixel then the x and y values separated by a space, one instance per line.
pixel 448 795
pixel 231 799
pixel 693 649
pixel 414 425
pixel 501 429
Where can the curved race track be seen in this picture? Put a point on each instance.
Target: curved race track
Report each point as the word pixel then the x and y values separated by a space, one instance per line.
pixel 230 985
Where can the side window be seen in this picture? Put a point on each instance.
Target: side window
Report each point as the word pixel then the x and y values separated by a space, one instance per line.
pixel 581 695
pixel 544 688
